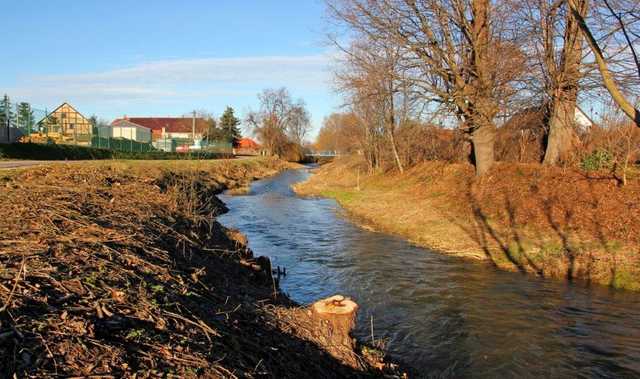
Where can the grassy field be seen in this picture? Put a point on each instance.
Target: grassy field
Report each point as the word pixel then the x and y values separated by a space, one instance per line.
pixel 550 222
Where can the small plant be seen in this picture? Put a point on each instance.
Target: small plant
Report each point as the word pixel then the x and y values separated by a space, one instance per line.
pixel 157 288
pixel 92 278
pixel 597 160
pixel 135 334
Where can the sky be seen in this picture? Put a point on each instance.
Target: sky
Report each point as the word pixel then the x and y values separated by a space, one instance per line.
pixel 164 58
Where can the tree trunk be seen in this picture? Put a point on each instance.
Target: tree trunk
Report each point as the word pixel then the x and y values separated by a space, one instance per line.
pixel 482 141
pixel 561 133
pixel 394 148
pixel 565 91
pixel 391 129
pixel 333 319
pixel 483 108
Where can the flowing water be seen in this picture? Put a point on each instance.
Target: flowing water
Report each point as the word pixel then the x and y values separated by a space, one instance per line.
pixel 442 315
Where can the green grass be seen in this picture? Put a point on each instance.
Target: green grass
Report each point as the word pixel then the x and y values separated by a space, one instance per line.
pixel 342 196
pixel 625 279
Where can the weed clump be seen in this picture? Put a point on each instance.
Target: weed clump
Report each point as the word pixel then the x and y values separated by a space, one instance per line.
pixel 597 160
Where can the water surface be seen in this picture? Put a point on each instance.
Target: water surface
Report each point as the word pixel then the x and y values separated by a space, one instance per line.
pixel 445 316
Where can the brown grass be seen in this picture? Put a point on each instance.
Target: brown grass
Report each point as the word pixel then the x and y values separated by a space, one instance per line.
pixel 548 221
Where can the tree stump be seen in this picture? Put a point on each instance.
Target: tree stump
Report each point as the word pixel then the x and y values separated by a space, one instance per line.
pixel 334 318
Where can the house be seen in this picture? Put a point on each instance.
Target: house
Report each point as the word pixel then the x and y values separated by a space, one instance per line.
pixel 582 120
pixel 167 128
pixel 66 124
pixel 126 130
pixel 527 130
pixel 247 146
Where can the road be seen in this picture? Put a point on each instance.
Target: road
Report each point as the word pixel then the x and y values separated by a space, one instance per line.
pixel 20 164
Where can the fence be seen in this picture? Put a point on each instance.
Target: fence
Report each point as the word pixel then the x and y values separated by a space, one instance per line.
pixel 187 144
pixel 120 144
pixel 218 147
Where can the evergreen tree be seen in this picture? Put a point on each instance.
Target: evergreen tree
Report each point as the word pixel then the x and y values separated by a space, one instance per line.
pixel 93 120
pixel 25 117
pixel 6 111
pixel 229 126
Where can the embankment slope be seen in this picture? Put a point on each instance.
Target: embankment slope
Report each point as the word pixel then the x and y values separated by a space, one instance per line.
pixel 120 269
pixel 551 222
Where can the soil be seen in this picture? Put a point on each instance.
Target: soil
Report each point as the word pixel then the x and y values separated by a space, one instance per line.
pixel 547 221
pixel 120 269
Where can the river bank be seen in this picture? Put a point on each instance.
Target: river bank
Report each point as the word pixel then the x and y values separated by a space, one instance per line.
pixel 546 221
pixel 120 269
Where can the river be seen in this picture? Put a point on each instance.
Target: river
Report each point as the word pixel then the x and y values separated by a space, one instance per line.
pixel 444 316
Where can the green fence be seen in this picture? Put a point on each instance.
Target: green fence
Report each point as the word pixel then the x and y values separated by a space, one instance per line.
pixel 218 147
pixel 120 144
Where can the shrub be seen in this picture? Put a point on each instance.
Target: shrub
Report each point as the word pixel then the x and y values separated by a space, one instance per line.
pixel 418 143
pixel 522 137
pixel 597 160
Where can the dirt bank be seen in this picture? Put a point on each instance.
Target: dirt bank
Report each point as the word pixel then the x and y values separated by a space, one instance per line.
pixel 547 221
pixel 120 269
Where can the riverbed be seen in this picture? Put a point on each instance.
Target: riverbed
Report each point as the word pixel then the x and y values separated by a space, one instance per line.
pixel 442 315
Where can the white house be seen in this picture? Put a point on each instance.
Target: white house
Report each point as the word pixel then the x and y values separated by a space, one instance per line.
pixel 178 128
pixel 127 130
pixel 582 120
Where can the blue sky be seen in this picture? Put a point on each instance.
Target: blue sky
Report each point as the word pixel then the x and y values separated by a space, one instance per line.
pixel 164 58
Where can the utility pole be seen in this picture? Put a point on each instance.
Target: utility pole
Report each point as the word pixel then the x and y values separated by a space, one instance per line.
pixel 6 116
pixel 193 128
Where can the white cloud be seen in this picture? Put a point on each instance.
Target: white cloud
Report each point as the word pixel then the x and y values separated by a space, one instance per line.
pixel 181 78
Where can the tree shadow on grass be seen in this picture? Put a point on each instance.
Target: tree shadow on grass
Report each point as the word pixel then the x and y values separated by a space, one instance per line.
pixel 509 241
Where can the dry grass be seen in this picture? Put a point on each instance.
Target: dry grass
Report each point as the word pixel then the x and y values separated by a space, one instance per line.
pixel 548 221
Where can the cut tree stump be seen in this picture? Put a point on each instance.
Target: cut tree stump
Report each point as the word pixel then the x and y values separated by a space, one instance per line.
pixel 334 318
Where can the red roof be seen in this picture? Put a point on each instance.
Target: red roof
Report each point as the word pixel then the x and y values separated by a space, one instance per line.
pixel 171 124
pixel 248 143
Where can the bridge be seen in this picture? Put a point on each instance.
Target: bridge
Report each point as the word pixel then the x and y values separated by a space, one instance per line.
pixel 323 154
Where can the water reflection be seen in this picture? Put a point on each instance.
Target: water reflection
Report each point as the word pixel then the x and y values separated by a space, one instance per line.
pixel 441 314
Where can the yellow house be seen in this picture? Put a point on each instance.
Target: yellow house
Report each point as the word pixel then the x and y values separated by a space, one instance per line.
pixel 66 124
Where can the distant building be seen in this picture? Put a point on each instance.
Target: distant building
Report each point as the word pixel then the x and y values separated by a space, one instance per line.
pixel 527 131
pixel 166 128
pixel 247 146
pixel 127 130
pixel 66 124
pixel 582 120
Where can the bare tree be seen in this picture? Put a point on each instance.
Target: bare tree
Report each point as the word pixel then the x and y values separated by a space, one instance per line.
pixel 560 56
pixel 340 133
pixel 279 121
pixel 449 47
pixel 299 123
pixel 625 22
pixel 370 74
